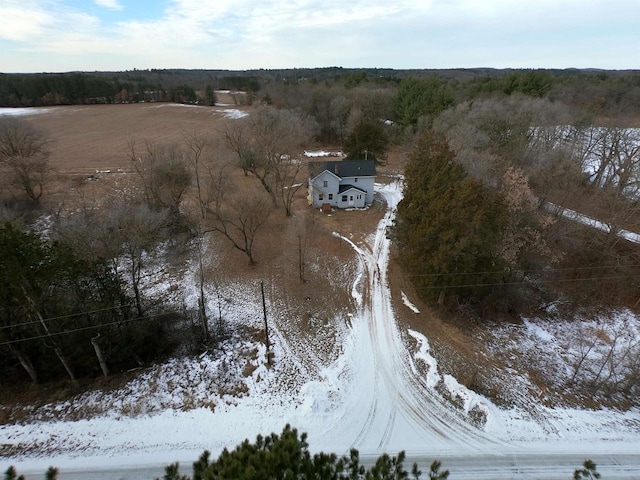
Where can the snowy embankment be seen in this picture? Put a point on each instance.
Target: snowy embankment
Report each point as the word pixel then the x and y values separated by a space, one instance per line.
pixel 384 392
pixel 592 222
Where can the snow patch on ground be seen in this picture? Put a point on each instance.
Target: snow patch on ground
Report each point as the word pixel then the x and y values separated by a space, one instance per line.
pixel 322 153
pixel 592 222
pixel 433 377
pixel 469 398
pixel 182 105
pixel 595 356
pixel 234 113
pixel 23 111
pixel 408 303
pixel 356 289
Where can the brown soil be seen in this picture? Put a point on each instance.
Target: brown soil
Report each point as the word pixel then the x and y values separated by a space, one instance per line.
pixel 96 137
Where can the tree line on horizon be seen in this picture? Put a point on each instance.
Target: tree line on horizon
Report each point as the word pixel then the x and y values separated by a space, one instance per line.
pixel 35 90
pixel 599 91
pixel 51 89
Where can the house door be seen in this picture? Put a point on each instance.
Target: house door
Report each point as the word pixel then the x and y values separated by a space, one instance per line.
pixel 351 200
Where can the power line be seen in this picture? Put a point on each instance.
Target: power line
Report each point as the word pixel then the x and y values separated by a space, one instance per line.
pixel 444 274
pixel 89 327
pixel 502 272
pixel 522 282
pixel 65 316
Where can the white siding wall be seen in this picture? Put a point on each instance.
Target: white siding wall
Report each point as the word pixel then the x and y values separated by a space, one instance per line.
pixel 351 199
pixel 319 189
pixel 365 183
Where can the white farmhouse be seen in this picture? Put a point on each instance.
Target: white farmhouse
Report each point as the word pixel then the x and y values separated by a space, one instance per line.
pixel 342 184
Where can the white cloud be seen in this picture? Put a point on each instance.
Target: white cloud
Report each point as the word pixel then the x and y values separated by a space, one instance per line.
pixel 238 34
pixel 22 20
pixel 110 4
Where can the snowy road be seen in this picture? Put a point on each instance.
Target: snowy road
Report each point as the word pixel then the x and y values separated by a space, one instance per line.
pixel 467 467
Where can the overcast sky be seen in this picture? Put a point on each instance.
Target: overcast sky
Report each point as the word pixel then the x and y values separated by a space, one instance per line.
pixel 66 35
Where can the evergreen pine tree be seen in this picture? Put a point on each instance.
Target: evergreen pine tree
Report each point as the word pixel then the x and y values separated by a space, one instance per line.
pixel 12 474
pixel 448 226
pixel 588 472
pixel 435 473
pixel 367 141
pixel 51 474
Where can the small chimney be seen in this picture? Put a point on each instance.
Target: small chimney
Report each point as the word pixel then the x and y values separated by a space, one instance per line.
pixel 337 169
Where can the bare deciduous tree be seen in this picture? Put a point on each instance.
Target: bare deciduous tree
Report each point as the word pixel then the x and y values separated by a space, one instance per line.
pixel 137 229
pixel 306 234
pixel 494 134
pixel 240 221
pixel 198 155
pixel 289 172
pixel 611 156
pixel 164 172
pixel 24 155
pixel 121 232
pixel 267 145
pixel 237 218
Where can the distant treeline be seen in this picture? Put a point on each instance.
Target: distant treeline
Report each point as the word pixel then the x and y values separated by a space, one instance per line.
pixel 33 90
pixel 596 91
pixel 79 88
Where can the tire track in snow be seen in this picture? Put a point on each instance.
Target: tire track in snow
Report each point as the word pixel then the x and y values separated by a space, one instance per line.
pixel 365 430
pixel 386 436
pixel 395 387
pixel 358 297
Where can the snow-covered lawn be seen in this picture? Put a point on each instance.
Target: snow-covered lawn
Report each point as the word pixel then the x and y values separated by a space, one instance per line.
pixel 382 391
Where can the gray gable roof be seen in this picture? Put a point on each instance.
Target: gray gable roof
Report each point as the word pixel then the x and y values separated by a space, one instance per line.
pixel 344 188
pixel 346 168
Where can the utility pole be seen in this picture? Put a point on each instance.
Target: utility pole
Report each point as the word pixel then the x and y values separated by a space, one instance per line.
pixel 266 326
pixel 300 260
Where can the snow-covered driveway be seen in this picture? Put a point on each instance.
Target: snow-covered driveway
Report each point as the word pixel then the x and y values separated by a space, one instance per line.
pixel 386 406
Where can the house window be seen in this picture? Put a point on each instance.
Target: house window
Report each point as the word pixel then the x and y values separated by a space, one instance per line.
pixel 331 196
pixel 356 180
pixel 359 197
pixel 325 184
pixel 344 198
pixel 320 196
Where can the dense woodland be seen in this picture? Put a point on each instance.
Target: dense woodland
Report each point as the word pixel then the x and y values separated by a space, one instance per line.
pixel 479 232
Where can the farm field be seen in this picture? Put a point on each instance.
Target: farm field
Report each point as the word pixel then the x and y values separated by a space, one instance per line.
pixel 96 137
